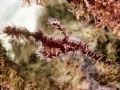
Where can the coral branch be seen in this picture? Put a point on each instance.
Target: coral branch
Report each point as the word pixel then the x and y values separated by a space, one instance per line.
pixel 105 13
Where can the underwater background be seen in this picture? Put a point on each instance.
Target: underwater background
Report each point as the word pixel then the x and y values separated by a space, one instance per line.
pixel 32 56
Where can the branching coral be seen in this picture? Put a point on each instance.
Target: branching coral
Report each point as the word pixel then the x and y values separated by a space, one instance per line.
pixel 104 13
pixel 9 73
